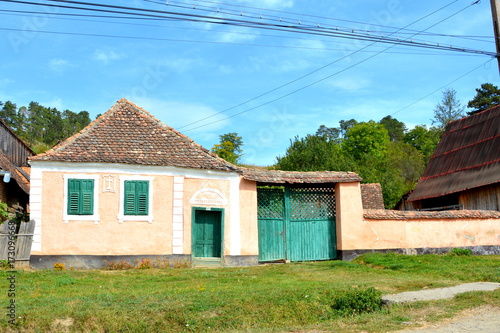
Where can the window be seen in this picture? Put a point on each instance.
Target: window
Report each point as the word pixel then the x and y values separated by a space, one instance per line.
pixel 80 196
pixel 136 197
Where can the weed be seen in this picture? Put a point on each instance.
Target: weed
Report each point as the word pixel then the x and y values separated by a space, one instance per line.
pixel 144 264
pixel 459 252
pixel 5 264
pixel 358 301
pixel 161 263
pixel 181 263
pixel 59 266
pixel 112 266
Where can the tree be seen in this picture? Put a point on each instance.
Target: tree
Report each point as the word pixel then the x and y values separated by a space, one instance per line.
pixel 8 113
pixel 313 153
pixel 345 125
pixel 229 147
pixel 424 140
pixel 329 133
pixel 448 109
pixel 366 140
pixel 394 127
pixel 486 97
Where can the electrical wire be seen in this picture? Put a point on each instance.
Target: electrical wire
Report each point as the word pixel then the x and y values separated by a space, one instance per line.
pixel 313 83
pixel 279 27
pixel 442 87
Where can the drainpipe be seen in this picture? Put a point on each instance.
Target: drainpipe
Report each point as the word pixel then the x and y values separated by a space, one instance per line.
pixel 6 176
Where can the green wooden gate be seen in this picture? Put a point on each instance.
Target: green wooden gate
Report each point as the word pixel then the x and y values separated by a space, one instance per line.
pixel 296 224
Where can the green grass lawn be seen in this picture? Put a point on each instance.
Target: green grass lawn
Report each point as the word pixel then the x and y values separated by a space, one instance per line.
pixel 279 297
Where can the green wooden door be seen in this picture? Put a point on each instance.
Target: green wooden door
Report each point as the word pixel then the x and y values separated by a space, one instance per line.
pixel 296 224
pixel 207 234
pixel 271 222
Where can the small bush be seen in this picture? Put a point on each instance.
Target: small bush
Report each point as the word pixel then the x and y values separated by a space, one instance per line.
pixel 459 252
pixel 112 266
pixel 144 264
pixel 59 266
pixel 357 301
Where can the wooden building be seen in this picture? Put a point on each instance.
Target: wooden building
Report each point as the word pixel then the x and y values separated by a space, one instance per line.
pixel 14 154
pixel 464 172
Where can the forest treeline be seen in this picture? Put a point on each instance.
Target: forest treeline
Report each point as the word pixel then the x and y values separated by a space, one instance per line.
pixel 42 127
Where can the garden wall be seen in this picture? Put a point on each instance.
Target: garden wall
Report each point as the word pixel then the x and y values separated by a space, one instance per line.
pixel 411 232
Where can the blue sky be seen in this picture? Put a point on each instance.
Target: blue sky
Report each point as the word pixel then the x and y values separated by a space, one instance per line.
pixel 183 72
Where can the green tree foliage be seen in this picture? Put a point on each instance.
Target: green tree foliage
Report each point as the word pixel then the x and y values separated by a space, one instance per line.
pixel 313 153
pixel 229 147
pixel 486 97
pixel 366 140
pixel 447 110
pixel 424 140
pixel 366 150
pixel 42 127
pixel 394 127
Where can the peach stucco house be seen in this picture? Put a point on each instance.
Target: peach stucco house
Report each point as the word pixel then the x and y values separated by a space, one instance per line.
pixel 129 187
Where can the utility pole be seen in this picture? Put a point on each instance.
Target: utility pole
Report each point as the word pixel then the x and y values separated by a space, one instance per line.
pixel 495 6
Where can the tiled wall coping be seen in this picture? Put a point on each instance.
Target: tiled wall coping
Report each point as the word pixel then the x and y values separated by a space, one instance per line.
pixel 382 214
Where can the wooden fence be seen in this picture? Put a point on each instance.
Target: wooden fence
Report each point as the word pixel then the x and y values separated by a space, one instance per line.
pixel 20 242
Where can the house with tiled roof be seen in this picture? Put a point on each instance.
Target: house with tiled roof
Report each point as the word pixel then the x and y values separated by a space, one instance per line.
pixel 14 168
pixel 129 187
pixel 464 171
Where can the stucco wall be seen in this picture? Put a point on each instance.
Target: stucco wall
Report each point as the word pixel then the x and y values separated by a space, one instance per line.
pixel 359 229
pixel 248 211
pixel 108 236
pixel 174 193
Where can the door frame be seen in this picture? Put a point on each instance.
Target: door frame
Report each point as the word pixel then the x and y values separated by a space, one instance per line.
pixel 201 261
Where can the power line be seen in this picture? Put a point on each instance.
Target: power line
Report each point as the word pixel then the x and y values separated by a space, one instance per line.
pixel 277 27
pixel 442 87
pixel 306 75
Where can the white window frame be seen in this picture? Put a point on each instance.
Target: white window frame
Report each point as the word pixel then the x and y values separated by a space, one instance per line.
pixel 95 217
pixel 135 218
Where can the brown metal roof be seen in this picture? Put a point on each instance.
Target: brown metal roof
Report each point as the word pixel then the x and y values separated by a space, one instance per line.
pixel 130 135
pixel 295 177
pixel 468 156
pixel 19 175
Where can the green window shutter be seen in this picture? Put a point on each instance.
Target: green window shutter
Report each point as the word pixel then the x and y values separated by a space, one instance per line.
pixel 142 198
pixel 87 190
pixel 129 203
pixel 80 196
pixel 136 197
pixel 73 196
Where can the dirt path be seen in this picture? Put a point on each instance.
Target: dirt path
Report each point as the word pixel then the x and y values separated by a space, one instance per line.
pixel 480 320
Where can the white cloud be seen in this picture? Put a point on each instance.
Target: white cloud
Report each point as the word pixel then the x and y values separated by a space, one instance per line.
pixel 179 114
pixel 268 4
pixel 106 57
pixel 59 65
pixel 237 35
pixel 55 102
pixel 350 84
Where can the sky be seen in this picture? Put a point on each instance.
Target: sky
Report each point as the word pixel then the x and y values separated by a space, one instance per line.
pixel 268 85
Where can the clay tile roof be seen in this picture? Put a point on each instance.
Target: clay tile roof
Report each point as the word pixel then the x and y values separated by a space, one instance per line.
pixel 294 177
pixel 371 196
pixel 130 135
pixel 468 156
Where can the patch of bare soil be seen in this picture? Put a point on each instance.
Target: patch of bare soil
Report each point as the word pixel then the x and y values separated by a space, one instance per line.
pixel 485 319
